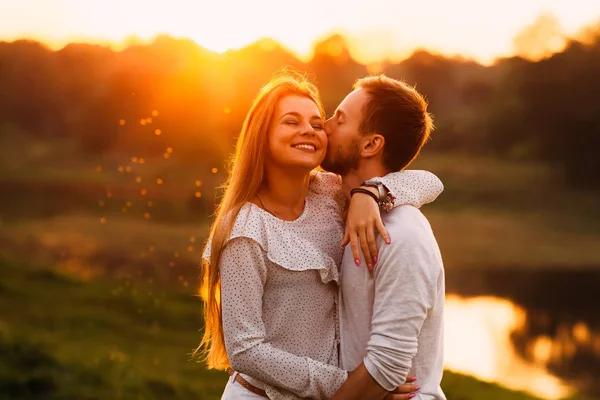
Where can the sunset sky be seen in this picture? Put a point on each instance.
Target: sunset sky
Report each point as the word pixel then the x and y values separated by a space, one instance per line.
pixel 376 28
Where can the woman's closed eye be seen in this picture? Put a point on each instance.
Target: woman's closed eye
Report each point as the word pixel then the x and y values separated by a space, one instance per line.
pixel 318 127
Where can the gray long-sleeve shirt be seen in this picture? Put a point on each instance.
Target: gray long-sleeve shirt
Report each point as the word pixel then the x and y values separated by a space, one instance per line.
pixel 393 322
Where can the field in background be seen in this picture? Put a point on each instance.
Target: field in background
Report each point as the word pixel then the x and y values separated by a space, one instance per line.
pixel 118 339
pixel 100 268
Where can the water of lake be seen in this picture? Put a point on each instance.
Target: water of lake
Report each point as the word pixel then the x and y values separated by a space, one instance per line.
pixel 537 331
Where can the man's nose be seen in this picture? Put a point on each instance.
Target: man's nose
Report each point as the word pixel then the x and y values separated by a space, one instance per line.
pixel 328 126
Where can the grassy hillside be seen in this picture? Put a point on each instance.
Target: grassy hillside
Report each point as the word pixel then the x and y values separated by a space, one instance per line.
pixel 62 337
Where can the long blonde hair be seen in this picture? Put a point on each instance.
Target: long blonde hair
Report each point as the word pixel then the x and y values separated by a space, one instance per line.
pixel 245 179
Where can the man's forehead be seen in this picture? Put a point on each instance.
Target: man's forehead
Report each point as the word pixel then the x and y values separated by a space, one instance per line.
pixel 353 102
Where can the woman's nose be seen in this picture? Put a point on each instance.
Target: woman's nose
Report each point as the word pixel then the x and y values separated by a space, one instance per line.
pixel 308 130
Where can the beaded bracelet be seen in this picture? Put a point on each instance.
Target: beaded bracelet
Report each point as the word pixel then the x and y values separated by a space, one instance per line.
pixel 386 204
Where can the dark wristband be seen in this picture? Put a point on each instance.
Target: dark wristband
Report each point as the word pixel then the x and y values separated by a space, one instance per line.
pixel 365 191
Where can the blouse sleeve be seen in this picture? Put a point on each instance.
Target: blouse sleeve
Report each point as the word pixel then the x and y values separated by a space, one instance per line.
pixel 329 185
pixel 243 276
pixel 414 187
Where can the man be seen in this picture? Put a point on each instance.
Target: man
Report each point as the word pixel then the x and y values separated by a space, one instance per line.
pixel 391 318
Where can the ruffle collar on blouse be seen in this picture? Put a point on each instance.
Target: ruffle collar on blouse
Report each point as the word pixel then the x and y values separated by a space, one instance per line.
pixel 282 241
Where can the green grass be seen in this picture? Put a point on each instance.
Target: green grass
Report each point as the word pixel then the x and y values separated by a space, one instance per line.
pixel 64 338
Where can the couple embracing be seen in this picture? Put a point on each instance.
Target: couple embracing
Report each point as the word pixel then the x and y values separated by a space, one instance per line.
pixel 327 284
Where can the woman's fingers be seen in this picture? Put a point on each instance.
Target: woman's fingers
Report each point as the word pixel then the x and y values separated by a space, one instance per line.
pixel 355 247
pixel 346 238
pixel 364 245
pixel 372 244
pixel 382 231
pixel 406 388
pixel 394 396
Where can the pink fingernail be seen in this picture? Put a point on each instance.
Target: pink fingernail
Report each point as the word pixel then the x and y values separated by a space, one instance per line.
pixel 410 396
pixel 375 260
pixel 417 387
pixel 370 267
pixel 388 241
pixel 357 262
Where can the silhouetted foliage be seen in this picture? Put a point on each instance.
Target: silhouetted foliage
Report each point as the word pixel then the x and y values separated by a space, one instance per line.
pixel 108 101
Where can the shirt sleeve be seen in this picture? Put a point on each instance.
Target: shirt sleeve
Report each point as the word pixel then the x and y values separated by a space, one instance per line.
pixel 413 187
pixel 407 283
pixel 243 277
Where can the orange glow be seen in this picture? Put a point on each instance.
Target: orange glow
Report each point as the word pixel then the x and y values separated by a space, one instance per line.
pixel 122 122
pixel 157 132
pixel 198 195
pixel 477 342
pixel 384 30
pixel 154 113
pixel 198 183
pixel 214 170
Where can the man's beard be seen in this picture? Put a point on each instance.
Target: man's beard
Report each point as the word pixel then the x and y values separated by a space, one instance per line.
pixel 342 162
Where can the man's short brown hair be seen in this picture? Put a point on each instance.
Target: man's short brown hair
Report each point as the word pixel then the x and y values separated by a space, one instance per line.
pixel 398 112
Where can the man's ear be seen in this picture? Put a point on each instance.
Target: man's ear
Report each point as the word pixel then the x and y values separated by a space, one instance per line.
pixel 372 145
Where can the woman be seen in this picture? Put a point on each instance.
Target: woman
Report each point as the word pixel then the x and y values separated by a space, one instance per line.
pixel 271 263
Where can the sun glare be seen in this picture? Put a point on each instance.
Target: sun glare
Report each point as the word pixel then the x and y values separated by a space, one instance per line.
pixel 384 30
